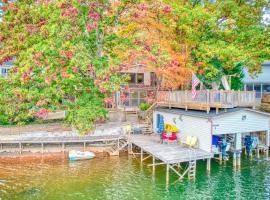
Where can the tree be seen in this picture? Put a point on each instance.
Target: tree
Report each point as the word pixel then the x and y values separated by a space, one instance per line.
pixel 228 31
pixel 65 59
pixel 152 26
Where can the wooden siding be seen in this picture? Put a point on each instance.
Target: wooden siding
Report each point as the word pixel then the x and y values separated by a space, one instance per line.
pixel 189 126
pixel 233 123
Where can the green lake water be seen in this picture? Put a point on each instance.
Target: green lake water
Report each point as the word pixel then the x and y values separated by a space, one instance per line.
pixel 124 178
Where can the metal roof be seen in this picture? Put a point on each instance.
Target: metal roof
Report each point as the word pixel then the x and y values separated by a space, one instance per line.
pixel 210 115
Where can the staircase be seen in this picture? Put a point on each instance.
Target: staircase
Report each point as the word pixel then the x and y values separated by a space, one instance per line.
pixel 117 147
pixel 192 170
pixel 131 116
pixel 146 128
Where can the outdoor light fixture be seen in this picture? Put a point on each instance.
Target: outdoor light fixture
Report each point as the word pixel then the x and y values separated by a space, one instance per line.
pixel 244 117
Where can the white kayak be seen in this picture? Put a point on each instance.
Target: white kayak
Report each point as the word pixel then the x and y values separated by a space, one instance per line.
pixel 80 155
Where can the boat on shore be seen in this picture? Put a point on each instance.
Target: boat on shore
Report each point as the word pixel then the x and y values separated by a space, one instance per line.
pixel 80 155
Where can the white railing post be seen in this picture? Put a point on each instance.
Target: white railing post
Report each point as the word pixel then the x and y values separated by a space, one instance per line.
pixel 239 98
pixel 208 100
pixel 186 100
pixel 221 97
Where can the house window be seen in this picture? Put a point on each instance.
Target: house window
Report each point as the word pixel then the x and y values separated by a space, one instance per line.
pixel 249 87
pixel 136 78
pixel 257 88
pixel 132 78
pixel 266 88
pixel 4 72
pixel 140 78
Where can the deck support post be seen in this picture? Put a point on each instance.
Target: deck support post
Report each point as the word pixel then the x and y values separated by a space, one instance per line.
pixel 234 159
pixel 208 164
pixel 63 146
pixel 258 152
pixel 238 156
pixel 220 158
pixel 130 148
pixel 141 155
pixel 1 146
pixel 267 140
pixel 154 166
pixel 84 146
pixel 167 175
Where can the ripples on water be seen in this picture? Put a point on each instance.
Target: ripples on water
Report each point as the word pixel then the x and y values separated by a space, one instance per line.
pixel 123 178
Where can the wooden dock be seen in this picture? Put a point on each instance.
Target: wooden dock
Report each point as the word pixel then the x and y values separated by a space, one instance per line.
pixel 65 140
pixel 171 155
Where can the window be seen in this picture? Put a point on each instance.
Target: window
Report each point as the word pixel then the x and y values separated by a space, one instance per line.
pixel 257 88
pixel 140 78
pixel 132 78
pixel 4 72
pixel 249 87
pixel 266 88
pixel 136 78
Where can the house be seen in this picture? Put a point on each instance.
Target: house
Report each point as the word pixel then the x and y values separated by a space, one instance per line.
pixel 233 125
pixel 4 69
pixel 142 82
pixel 261 83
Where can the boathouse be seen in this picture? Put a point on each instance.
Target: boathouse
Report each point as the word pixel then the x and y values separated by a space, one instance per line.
pixel 232 124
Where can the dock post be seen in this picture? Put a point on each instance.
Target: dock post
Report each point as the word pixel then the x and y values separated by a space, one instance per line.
pixel 258 152
pixel 238 161
pixel 154 167
pixel 208 164
pixel 63 146
pixel 141 155
pixel 234 159
pixel 167 175
pixel 220 158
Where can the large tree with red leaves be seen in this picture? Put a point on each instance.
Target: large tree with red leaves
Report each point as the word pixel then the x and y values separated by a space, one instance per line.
pixel 65 59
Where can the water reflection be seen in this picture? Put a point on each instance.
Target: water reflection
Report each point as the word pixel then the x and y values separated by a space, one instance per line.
pixel 123 178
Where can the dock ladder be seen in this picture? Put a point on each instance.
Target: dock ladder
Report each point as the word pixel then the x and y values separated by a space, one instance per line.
pixel 192 169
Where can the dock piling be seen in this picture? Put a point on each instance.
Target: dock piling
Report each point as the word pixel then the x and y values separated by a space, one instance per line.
pixel 154 167
pixel 141 155
pixel 167 175
pixel 208 164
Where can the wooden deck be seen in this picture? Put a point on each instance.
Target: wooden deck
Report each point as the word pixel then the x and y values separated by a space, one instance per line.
pixel 168 153
pixel 206 99
pixel 171 155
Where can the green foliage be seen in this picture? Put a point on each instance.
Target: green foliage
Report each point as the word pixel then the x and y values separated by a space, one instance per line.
pixel 229 31
pixel 65 60
pixel 144 106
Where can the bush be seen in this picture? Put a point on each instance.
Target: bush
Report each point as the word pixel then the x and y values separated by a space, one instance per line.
pixel 144 106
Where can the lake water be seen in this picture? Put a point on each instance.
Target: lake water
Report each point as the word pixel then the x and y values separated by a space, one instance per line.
pixel 123 178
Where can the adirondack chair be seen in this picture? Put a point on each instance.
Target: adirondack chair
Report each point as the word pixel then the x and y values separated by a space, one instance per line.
pixel 190 141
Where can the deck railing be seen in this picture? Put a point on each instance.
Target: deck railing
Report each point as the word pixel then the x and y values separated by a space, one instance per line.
pixel 212 98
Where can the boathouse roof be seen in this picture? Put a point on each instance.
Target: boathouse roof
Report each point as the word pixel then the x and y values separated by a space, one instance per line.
pixel 211 114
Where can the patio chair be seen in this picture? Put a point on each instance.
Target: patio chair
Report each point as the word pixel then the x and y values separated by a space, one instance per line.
pixel 191 141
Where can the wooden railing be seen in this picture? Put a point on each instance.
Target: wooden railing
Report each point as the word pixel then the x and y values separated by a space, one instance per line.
pixel 212 98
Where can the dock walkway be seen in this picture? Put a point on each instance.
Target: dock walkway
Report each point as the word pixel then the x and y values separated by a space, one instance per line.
pixel 168 153
pixel 171 155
